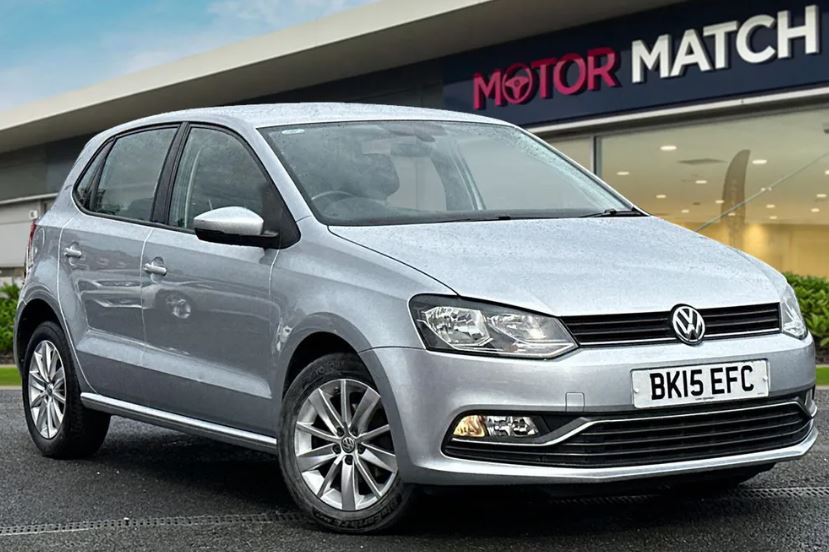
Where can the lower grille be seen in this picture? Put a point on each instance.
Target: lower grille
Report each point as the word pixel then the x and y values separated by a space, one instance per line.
pixel 656 437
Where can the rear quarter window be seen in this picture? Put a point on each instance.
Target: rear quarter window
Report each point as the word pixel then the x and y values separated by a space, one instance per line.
pixel 83 190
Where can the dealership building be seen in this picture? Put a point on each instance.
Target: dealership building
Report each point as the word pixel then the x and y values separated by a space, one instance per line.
pixel 713 115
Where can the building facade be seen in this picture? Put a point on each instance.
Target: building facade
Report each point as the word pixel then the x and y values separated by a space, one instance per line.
pixel 712 115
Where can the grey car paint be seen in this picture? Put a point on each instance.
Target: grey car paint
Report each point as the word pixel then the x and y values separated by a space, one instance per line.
pixel 99 261
pixel 437 387
pixel 575 266
pixel 356 283
pixel 208 324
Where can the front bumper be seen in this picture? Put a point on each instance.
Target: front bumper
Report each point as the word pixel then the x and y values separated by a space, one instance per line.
pixel 426 391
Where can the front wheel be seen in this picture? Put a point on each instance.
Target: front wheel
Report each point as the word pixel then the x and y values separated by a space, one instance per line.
pixel 336 450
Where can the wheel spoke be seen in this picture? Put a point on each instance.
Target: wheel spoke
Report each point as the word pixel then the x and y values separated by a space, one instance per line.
pixel 348 486
pixel 345 407
pixel 50 422
pixel 325 410
pixel 38 357
pixel 58 413
pixel 332 474
pixel 40 418
pixel 37 401
pixel 365 409
pixel 374 433
pixel 380 458
pixel 54 361
pixel 367 477
pixel 47 360
pixel 36 381
pixel 44 374
pixel 59 379
pixel 316 432
pixel 315 458
pixel 58 397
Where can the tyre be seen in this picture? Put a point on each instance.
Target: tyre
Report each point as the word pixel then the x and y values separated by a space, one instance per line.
pixel 59 424
pixel 336 450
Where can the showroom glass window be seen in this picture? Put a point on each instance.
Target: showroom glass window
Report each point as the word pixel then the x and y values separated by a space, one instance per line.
pixel 579 150
pixel 758 183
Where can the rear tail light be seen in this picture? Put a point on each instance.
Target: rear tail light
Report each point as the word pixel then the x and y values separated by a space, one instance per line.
pixel 30 250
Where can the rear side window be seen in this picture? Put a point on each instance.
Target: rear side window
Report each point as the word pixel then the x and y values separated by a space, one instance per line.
pixel 127 184
pixel 217 170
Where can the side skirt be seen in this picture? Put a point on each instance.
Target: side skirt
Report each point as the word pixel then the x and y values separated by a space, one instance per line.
pixel 178 422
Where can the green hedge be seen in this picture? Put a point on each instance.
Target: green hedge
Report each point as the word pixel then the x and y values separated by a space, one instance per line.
pixel 8 306
pixel 813 295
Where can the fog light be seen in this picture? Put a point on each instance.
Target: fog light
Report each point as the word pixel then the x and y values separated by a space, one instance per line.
pixel 470 426
pixel 495 426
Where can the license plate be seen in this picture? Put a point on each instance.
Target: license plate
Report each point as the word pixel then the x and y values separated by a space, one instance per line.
pixel 691 384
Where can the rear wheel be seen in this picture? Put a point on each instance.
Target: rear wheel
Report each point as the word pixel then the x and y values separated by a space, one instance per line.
pixel 58 423
pixel 336 450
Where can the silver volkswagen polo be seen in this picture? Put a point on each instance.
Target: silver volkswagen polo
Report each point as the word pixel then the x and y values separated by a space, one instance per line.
pixel 388 298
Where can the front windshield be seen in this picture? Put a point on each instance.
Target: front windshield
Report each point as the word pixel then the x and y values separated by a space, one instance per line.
pixel 399 172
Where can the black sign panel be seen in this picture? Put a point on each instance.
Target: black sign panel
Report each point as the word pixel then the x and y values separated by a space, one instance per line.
pixel 675 55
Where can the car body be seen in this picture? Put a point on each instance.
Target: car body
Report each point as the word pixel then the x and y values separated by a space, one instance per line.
pixel 204 329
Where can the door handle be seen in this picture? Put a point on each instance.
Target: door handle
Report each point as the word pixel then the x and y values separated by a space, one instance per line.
pixel 72 252
pixel 152 268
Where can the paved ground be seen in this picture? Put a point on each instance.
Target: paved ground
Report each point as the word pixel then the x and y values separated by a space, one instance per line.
pixel 152 489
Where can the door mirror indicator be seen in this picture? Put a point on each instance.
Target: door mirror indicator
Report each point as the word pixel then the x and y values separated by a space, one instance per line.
pixel 234 226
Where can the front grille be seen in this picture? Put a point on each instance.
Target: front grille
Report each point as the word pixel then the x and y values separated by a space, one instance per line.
pixel 655 437
pixel 655 327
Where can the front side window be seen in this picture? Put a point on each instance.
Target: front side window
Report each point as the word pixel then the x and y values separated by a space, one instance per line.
pixel 216 170
pixel 130 174
pixel 394 172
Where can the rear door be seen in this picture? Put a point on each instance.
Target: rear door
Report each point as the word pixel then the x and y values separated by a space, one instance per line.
pixel 207 308
pixel 100 251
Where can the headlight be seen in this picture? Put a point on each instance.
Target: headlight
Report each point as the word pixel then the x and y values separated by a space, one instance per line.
pixel 455 325
pixel 793 323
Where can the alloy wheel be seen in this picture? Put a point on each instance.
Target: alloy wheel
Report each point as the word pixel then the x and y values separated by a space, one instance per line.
pixel 344 452
pixel 47 389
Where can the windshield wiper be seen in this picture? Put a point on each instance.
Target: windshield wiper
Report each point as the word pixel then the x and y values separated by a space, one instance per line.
pixel 489 218
pixel 634 212
pixel 483 218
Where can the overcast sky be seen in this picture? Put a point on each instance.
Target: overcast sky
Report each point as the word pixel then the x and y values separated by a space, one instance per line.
pixel 52 46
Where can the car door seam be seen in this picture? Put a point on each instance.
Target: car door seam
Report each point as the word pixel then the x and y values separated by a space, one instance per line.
pixel 141 298
pixel 68 333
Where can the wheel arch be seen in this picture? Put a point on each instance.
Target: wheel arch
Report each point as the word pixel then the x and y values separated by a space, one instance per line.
pixel 317 340
pixel 317 336
pixel 312 347
pixel 34 312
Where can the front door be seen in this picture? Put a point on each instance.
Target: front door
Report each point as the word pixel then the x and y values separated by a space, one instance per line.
pixel 207 307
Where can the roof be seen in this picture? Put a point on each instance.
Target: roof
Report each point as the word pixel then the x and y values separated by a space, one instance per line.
pixel 374 37
pixel 265 115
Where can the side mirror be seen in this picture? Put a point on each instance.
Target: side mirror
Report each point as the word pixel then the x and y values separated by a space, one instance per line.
pixel 234 226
